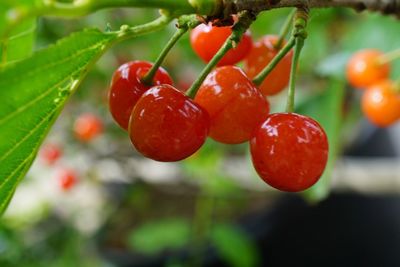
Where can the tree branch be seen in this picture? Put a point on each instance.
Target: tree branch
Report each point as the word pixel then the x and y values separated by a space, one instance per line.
pixel 391 7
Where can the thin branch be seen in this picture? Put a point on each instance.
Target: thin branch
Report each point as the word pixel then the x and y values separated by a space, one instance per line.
pixel 384 6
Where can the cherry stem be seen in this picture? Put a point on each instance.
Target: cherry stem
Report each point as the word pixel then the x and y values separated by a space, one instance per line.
pixel 148 78
pixel 285 29
pixel 388 57
pixel 127 32
pixel 245 19
pixel 213 62
pixel 184 23
pixel 272 64
pixel 300 35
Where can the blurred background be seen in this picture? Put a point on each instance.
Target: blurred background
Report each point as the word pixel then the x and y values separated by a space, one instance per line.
pixel 94 201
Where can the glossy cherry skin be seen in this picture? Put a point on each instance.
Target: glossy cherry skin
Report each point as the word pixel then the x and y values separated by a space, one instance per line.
pixel 87 127
pixel 289 151
pixel 50 153
pixel 363 68
pixel 206 40
pixel 67 179
pixel 260 56
pixel 126 88
pixel 235 105
pixel 166 125
pixel 381 103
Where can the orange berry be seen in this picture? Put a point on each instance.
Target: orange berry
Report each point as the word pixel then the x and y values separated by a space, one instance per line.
pixel 87 127
pixel 364 69
pixel 381 103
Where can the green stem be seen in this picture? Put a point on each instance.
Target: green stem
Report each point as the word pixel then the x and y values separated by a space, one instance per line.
pixel 388 57
pixel 245 19
pixel 82 8
pixel 207 69
pixel 127 32
pixel 285 29
pixel 148 78
pixel 270 67
pixel 174 8
pixel 292 83
pixel 300 34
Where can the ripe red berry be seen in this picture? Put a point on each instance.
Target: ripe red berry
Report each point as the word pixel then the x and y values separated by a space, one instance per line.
pixel 127 87
pixel 67 179
pixel 87 127
pixel 206 40
pixel 50 153
pixel 260 56
pixel 166 125
pixel 234 104
pixel 364 69
pixel 381 103
pixel 289 151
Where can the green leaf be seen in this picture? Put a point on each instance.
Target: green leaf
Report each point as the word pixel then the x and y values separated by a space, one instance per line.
pixel 33 92
pixel 234 246
pixel 154 237
pixel 18 42
pixel 326 108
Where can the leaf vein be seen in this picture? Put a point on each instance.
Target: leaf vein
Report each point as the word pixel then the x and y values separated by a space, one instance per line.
pixel 35 100
pixel 55 63
pixel 29 134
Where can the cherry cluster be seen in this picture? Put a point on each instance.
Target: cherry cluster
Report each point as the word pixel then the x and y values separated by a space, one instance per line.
pixel 380 102
pixel 289 151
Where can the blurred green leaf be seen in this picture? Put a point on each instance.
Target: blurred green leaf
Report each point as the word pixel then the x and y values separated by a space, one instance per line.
pixel 155 237
pixel 33 92
pixel 206 167
pixel 333 65
pixel 18 43
pixel 234 246
pixel 56 245
pixel 327 109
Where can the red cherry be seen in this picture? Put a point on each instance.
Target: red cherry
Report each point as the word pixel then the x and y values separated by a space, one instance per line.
pixel 127 87
pixel 50 153
pixel 87 127
pixel 166 125
pixel 260 56
pixel 289 151
pixel 363 69
pixel 234 104
pixel 206 40
pixel 67 179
